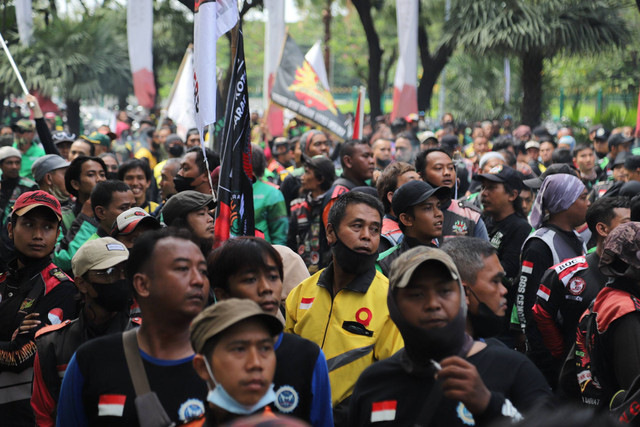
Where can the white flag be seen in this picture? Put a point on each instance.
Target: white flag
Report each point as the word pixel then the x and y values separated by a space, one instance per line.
pixel 140 36
pixel 211 20
pixel 274 38
pixel 316 60
pixel 180 107
pixel 405 95
pixel 24 18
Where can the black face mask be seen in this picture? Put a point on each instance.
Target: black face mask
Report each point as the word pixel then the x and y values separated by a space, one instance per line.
pixel 350 261
pixel 113 297
pixel 182 184
pixel 485 322
pixel 383 163
pixel 176 150
pixel 111 175
pixel 422 345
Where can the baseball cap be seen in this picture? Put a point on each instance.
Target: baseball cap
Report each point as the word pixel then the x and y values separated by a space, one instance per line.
pixel 128 220
pixel 567 140
pixel 280 141
pixel 532 144
pixel 504 175
pixel 98 254
pixel 6 152
pixel 413 193
pixel 97 138
pixel 449 141
pixel 536 183
pixel 621 251
pixel 323 165
pixel 217 318
pixel 23 125
pixel 621 158
pixel 413 117
pixel 184 202
pixel 424 136
pixel 46 164
pixel 171 138
pixel 61 136
pixel 618 139
pixel 403 267
pixel 601 134
pixel 33 199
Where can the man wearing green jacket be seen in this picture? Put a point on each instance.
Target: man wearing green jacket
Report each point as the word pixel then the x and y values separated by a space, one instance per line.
pixel 24 131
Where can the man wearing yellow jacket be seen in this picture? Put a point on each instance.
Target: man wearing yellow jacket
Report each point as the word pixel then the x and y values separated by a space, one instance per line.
pixel 343 308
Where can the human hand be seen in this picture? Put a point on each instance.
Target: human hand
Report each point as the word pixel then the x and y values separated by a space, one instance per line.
pixel 461 381
pixel 32 101
pixel 29 322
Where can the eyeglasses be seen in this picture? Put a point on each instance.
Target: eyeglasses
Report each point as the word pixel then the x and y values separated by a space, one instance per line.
pixel 110 274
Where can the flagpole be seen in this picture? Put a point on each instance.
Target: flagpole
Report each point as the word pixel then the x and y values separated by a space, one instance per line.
pixel 15 69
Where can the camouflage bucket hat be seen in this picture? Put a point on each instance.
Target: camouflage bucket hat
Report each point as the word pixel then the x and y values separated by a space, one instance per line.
pixel 621 253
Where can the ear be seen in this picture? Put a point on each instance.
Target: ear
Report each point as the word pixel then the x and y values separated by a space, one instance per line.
pixel 466 292
pixel 406 219
pixel 331 234
pixel 141 285
pixel 10 229
pixel 602 229
pixel 201 369
pixel 347 161
pixel 75 184
pixel 81 284
pixel 220 294
pixel 390 196
pixel 99 210
pixel 514 195
pixel 48 179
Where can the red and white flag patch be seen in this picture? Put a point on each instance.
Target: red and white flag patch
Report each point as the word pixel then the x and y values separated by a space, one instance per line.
pixel 55 316
pixel 527 267
pixel 111 405
pixel 305 303
pixel 544 292
pixel 383 411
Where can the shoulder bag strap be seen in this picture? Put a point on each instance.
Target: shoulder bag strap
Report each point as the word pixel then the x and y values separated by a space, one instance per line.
pixel 134 362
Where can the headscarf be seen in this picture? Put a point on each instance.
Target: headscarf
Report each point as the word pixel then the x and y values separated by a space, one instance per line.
pixel 557 194
pixel 306 138
pixel 488 156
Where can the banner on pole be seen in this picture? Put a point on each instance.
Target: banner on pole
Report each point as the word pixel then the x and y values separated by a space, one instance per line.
pixel 405 94
pixel 298 88
pixel 140 37
pixel 358 122
pixel 180 107
pixel 274 37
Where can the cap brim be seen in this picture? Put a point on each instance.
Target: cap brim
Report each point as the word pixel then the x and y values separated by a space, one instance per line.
pixel 533 183
pixel 406 277
pixel 273 325
pixel 26 209
pixel 489 176
pixel 108 262
pixel 130 228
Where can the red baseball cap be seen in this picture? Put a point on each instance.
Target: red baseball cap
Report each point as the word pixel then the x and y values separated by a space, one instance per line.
pixel 33 199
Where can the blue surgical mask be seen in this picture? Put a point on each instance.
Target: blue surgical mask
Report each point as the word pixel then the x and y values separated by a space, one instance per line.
pixel 219 397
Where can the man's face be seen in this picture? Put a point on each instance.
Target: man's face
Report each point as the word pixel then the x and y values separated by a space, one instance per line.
pixel 189 167
pixel 527 198
pixel 601 146
pixel 359 229
pixel 440 170
pixel 533 153
pixel 431 299
pixel 64 148
pixel 404 151
pixel 488 288
pixel 495 199
pixel 621 216
pixel 120 202
pixel 79 148
pixel 263 286
pixel 578 210
pixel 179 285
pixel 137 181
pixel 480 145
pixel 283 154
pixel 620 173
pixel 309 180
pixel 167 188
pixel 193 141
pixel 244 361
pixel 24 138
pixel 491 163
pixel 632 174
pixel 35 233
pixel 546 151
pixel 110 162
pixel 201 223
pixel 406 177
pixel 382 149
pixel 585 160
pixel 57 181
pixel 162 135
pixel 11 167
pixel 91 174
pixel 425 221
pixel 362 164
pixel 319 145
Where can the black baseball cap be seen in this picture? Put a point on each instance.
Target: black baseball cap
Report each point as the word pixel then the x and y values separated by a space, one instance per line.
pixel 536 183
pixel 322 165
pixel 601 134
pixel 618 139
pixel 415 192
pixel 621 158
pixel 504 175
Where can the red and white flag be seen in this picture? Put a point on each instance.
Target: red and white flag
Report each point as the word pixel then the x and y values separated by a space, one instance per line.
pixel 140 41
pixel 111 405
pixel 55 316
pixel 180 107
pixel 383 411
pixel 274 38
pixel 358 121
pixel 305 303
pixel 405 95
pixel 544 292
pixel 527 267
pixel 315 58
pixel 211 20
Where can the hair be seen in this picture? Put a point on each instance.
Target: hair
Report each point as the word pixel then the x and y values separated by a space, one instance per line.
pixel 113 156
pixel 192 131
pixel 504 142
pixel 258 160
pixel 102 193
pixel 581 147
pixel 134 164
pixel 142 252
pixel 388 181
pixel 468 253
pixel 92 147
pixel 563 155
pixel 212 157
pixel 602 211
pixel 510 159
pixel 240 254
pixel 411 137
pixel 75 169
pixel 348 148
pixel 327 180
pixel 635 208
pixel 339 208
pixel 172 161
pixel 421 159
pixel 632 163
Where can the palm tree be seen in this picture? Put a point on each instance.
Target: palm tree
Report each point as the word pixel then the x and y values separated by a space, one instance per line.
pixel 535 30
pixel 82 60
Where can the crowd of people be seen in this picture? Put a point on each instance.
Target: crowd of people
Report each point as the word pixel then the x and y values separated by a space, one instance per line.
pixel 474 275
